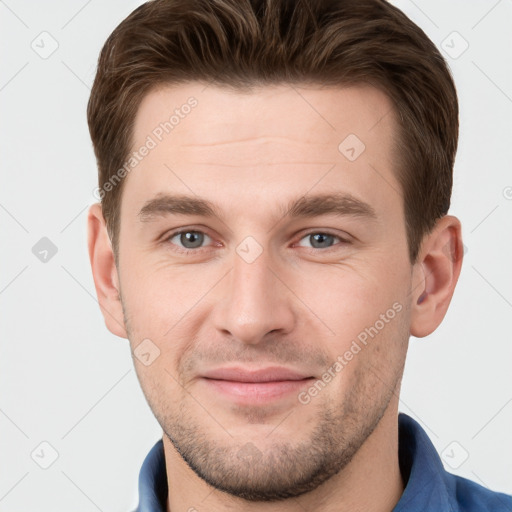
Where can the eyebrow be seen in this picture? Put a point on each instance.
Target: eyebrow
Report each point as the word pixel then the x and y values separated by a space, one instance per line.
pixel 304 207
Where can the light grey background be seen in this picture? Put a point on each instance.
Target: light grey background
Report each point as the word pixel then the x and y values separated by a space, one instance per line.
pixel 65 380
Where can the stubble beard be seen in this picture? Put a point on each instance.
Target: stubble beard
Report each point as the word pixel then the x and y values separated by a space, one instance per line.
pixel 283 469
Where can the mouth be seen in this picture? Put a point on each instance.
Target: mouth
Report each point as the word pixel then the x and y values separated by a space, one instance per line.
pixel 256 386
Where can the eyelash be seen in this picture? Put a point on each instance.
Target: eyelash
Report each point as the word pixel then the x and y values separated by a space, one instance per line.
pixel 184 250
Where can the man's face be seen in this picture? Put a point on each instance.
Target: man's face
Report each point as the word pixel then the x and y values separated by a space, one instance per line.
pixel 252 307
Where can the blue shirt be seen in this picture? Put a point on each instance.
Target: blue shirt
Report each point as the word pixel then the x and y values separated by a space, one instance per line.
pixel 428 487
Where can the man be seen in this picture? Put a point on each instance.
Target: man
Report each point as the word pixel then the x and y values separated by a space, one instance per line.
pixel 275 179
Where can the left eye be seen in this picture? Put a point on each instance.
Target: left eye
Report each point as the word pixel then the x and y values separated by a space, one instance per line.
pixel 320 240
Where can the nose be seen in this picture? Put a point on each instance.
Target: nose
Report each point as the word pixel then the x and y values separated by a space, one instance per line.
pixel 254 302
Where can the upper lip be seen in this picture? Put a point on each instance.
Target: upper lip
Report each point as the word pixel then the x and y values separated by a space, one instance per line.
pixel 268 374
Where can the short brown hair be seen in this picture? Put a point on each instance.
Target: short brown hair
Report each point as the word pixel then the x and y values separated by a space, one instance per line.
pixel 243 43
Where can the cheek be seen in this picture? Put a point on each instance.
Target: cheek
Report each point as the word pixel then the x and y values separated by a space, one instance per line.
pixel 160 387
pixel 161 309
pixel 369 318
pixel 158 295
pixel 343 302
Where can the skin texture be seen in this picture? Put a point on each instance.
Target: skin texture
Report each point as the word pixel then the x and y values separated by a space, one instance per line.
pixel 300 304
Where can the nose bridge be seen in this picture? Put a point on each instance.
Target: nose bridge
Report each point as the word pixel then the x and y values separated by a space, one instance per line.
pixel 252 282
pixel 254 300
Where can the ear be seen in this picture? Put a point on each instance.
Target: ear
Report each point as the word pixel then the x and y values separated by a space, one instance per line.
pixel 104 271
pixel 435 275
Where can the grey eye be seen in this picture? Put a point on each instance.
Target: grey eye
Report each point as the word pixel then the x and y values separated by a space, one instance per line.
pixel 320 240
pixel 190 239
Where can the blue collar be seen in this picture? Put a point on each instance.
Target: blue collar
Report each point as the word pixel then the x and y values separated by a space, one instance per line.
pixel 429 488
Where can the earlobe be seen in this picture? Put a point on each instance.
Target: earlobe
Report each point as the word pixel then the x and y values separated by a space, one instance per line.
pixel 104 272
pixel 435 275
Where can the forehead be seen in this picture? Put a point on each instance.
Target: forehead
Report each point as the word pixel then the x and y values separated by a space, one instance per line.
pixel 303 113
pixel 212 140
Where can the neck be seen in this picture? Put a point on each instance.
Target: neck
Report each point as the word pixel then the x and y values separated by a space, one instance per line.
pixel 371 481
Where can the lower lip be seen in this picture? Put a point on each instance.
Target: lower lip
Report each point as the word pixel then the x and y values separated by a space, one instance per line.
pixel 257 392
